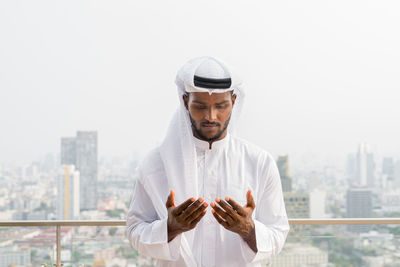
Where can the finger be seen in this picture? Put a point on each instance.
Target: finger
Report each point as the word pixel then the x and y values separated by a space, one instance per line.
pixel 222 214
pixel 192 208
pixel 195 221
pixel 250 200
pixel 178 210
pixel 220 220
pixel 228 209
pixel 171 199
pixel 197 213
pixel 239 209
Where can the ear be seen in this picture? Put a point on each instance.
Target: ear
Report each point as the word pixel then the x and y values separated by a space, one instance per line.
pixel 233 99
pixel 186 101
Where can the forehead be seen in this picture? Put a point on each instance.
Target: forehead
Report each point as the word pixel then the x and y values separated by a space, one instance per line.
pixel 207 98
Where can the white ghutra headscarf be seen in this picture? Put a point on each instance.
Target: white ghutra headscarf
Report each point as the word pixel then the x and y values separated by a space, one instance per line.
pixel 178 152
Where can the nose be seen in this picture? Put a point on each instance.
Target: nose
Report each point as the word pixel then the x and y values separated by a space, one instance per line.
pixel 211 114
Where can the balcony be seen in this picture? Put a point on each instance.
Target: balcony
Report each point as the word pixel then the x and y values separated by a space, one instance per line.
pixel 323 242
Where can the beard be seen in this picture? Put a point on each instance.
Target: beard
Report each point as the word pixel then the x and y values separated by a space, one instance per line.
pixel 201 136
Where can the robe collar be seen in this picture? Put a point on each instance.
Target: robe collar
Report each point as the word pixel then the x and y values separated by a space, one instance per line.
pixel 216 145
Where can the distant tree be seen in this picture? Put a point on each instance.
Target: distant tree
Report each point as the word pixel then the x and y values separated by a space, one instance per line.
pixel 395 231
pixel 112 231
pixel 76 255
pixel 115 213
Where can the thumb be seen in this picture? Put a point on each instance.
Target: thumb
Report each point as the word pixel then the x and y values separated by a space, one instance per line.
pixel 171 199
pixel 250 200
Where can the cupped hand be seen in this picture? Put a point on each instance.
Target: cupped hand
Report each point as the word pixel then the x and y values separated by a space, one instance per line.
pixel 237 218
pixel 184 217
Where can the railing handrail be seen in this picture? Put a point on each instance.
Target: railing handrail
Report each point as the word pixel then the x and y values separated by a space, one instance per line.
pixel 302 221
pixel 344 221
pixel 65 223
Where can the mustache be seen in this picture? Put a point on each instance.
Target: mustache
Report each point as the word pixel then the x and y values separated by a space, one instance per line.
pixel 208 123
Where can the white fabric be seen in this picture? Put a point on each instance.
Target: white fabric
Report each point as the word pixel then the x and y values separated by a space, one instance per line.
pixel 208 67
pixel 212 68
pixel 175 165
pixel 230 168
pixel 194 89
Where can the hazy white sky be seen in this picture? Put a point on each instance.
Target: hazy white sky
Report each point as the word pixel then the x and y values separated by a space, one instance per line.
pixel 320 76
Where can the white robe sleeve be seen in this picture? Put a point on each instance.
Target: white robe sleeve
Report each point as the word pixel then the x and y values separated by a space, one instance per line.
pixel 270 219
pixel 146 232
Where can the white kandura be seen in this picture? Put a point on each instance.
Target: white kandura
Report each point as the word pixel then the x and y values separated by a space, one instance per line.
pixel 230 168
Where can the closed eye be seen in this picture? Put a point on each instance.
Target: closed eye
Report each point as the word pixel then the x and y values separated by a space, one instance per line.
pixel 221 106
pixel 200 107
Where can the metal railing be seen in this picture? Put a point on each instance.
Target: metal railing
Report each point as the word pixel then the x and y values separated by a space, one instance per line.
pixel 74 223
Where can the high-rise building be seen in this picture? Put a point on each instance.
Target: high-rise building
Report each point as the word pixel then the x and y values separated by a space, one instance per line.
pixel 314 180
pixel 386 180
pixel 365 167
pixel 86 163
pixel 297 204
pixel 388 167
pixel 81 151
pixel 359 205
pixel 317 203
pixel 283 167
pixel 68 206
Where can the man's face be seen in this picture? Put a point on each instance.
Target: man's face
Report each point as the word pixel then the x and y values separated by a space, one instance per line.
pixel 209 114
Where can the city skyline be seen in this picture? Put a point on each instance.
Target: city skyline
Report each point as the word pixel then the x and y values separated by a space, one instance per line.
pixel 299 162
pixel 46 190
pixel 87 89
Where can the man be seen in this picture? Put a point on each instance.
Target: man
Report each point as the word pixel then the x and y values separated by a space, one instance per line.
pixel 204 197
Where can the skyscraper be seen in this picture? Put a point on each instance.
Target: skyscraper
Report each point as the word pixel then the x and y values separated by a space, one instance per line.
pixel 359 205
pixel 388 167
pixel 86 163
pixel 297 205
pixel 68 204
pixel 283 167
pixel 317 203
pixel 387 178
pixel 365 166
pixel 81 151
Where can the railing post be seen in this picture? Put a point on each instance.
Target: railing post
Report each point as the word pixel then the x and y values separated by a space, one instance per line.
pixel 58 246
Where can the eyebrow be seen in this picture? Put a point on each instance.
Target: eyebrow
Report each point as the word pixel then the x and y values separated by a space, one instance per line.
pixel 220 103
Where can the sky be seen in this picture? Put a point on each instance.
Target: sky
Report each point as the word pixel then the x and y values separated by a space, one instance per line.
pixel 320 76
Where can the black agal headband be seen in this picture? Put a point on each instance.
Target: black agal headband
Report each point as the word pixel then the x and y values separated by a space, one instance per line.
pixel 212 83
